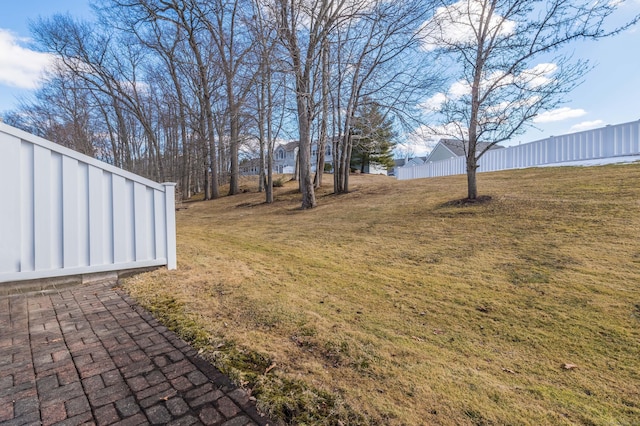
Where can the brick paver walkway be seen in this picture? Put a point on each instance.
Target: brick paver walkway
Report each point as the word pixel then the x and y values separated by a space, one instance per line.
pixel 90 355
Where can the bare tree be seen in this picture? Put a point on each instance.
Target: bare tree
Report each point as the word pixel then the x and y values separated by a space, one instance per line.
pixel 378 59
pixel 507 64
pixel 324 118
pixel 303 27
pixel 167 42
pixel 108 65
pixel 226 22
pixel 269 86
pixel 62 111
pixel 185 27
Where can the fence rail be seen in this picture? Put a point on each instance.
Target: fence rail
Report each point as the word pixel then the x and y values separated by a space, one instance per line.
pixel 606 142
pixel 64 213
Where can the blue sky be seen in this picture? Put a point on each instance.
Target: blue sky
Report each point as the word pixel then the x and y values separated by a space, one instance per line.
pixel 609 95
pixel 19 66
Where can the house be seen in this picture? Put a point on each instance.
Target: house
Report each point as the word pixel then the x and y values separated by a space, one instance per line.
pixel 451 148
pixel 250 166
pixel 284 158
pixel 408 161
pixel 415 161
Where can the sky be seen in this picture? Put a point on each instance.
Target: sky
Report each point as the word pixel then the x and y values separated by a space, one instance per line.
pixel 20 65
pixel 610 93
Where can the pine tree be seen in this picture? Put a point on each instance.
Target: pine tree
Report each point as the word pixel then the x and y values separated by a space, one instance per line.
pixel 373 138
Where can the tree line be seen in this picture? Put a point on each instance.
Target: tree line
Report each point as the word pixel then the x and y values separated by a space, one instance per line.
pixel 177 90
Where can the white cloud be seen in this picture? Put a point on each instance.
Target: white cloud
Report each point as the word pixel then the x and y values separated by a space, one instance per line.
pixel 459 89
pixel 539 75
pixel 456 91
pixel 19 66
pixel 458 22
pixel 533 77
pixel 586 125
pixel 422 139
pixel 417 143
pixel 559 114
pixel 435 102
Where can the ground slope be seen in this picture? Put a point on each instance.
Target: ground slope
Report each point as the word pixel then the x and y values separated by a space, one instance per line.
pixel 393 305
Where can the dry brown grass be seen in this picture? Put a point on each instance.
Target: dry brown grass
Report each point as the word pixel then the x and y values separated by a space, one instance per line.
pixel 390 305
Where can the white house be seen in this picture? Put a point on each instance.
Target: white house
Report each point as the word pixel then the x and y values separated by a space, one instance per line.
pixel 285 155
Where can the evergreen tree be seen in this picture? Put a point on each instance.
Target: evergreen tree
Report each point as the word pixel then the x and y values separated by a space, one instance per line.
pixel 373 138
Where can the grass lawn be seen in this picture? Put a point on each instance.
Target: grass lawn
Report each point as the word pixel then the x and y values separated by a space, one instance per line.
pixel 391 305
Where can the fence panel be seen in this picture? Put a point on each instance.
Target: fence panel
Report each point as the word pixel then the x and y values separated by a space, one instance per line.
pixel 606 142
pixel 63 213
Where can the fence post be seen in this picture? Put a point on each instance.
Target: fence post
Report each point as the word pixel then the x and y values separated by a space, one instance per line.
pixel 170 214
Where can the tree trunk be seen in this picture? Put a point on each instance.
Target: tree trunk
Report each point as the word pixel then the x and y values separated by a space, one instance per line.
pixel 345 188
pixel 306 183
pixel 304 150
pixel 472 188
pixel 234 185
pixel 296 165
pixel 262 178
pixel 324 124
pixel 269 183
pixel 270 143
pixel 205 159
pixel 335 147
pixel 261 111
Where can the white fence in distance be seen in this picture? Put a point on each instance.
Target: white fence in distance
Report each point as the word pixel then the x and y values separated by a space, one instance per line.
pixel 606 142
pixel 64 213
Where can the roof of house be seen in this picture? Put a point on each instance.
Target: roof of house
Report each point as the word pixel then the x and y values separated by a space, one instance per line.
pixel 415 161
pixel 457 148
pixel 249 162
pixel 290 146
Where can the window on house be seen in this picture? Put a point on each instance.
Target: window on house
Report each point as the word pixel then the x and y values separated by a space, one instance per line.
pixel 327 150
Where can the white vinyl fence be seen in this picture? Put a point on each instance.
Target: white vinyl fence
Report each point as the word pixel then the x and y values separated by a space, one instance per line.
pixel 606 142
pixel 64 213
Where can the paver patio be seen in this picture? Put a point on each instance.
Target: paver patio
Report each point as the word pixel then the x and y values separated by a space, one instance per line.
pixel 89 355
